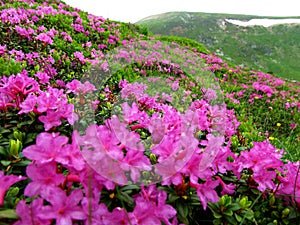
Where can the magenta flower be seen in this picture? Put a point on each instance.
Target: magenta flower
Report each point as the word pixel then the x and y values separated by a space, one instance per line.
pixel 63 208
pixel 29 104
pixel 43 176
pixel 288 184
pixel 30 215
pixel 226 188
pixel 43 77
pixel 48 148
pixel 5 182
pixel 157 128
pixel 96 184
pixel 77 87
pixel 2 49
pixel 17 87
pixel 73 155
pixel 135 89
pixel 51 99
pixel 135 162
pixel 79 56
pixel 211 151
pixel 265 180
pixel 100 215
pixel 207 193
pixel 153 199
pixel 44 38
pixel 127 139
pixel 263 159
pixel 132 113
pixel 221 163
pixel 102 153
pixel 52 119
pixel 66 111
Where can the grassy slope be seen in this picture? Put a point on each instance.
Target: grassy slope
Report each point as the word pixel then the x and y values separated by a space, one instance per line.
pixel 274 49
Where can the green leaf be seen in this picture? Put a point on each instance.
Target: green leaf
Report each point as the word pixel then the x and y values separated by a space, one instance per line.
pixel 3 151
pixel 5 162
pixel 228 213
pixel 123 196
pixel 129 187
pixel 8 214
pixel 234 207
pixel 23 163
pixel 182 209
pixel 217 215
pixel 184 220
pixel 231 220
pixel 238 217
pixel 173 197
pixel 213 206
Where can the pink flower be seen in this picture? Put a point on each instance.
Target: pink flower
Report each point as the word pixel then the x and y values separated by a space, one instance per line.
pixel 263 159
pixel 135 162
pixel 153 199
pixel 207 193
pixel 48 148
pixel 72 154
pixel 43 176
pixel 43 77
pixel 132 113
pixel 2 49
pixel 101 216
pixel 44 38
pixel 101 152
pixel 77 87
pixel 30 215
pixel 29 104
pixel 5 182
pixel 127 139
pixel 157 128
pixel 51 99
pixel 288 184
pixel 79 56
pixel 63 208
pixel 52 119
pixel 211 151
pixel 226 188
pixel 18 86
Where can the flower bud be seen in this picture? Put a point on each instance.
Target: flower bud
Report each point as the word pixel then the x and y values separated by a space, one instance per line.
pixel 15 146
pixel 285 212
pixel 18 135
pixel 272 200
pixel 153 159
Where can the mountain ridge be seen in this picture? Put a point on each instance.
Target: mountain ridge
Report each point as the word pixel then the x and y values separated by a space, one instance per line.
pixel 272 49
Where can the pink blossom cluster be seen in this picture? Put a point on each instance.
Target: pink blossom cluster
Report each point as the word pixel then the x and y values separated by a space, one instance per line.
pixel 113 154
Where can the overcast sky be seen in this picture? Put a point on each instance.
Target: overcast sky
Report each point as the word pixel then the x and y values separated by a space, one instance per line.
pixel 134 10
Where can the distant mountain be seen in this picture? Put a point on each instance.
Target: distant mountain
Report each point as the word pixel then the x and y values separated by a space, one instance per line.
pixel 274 49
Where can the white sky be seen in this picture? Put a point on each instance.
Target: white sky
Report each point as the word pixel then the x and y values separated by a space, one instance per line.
pixel 134 10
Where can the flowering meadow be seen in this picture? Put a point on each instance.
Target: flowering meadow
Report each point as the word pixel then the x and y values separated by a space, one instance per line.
pixel 103 123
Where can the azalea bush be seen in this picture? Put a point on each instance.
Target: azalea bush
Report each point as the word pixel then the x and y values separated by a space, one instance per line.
pixel 102 124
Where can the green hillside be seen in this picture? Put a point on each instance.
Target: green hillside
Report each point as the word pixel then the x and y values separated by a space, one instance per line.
pixel 273 49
